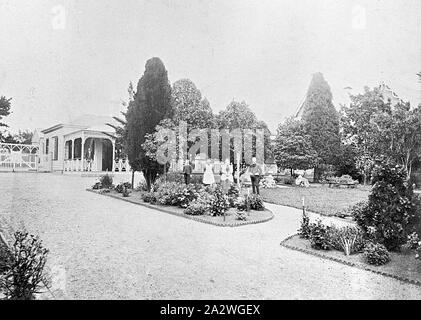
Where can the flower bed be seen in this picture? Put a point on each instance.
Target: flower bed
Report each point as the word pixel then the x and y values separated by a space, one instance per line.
pixel 212 204
pixel 231 219
pixel 402 266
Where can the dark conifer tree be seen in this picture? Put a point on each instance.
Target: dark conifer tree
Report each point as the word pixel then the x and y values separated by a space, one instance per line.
pixel 151 104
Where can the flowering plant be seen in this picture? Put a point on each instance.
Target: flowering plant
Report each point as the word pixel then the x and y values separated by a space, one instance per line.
pixel 219 203
pixel 268 182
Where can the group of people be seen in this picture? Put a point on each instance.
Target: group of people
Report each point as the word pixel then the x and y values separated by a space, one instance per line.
pixel 226 173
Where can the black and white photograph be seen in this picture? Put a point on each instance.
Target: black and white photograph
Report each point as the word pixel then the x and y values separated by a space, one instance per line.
pixel 221 153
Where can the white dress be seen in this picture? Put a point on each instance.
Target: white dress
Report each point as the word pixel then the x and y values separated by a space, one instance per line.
pixel 208 177
pixel 226 171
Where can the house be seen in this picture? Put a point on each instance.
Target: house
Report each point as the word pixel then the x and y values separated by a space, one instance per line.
pixel 86 143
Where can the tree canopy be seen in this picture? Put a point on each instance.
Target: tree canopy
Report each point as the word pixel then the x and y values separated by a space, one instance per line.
pixel 5 106
pixel 189 106
pixel 293 148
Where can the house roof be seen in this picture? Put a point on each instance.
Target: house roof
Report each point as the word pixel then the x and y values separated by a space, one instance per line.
pixel 84 122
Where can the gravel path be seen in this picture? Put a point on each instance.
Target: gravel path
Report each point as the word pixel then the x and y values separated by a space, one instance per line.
pixel 112 249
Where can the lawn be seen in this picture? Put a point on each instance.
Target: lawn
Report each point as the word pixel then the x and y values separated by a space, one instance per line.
pixel 318 198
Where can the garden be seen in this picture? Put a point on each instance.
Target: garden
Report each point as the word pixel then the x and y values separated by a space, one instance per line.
pixel 212 204
pixel 385 238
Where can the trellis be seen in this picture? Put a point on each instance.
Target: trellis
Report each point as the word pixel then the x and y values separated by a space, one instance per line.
pixel 18 157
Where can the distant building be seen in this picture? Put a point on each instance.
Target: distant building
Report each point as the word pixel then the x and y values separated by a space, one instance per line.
pixel 388 94
pixel 85 144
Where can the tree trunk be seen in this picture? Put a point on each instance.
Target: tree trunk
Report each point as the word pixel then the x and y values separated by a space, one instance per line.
pixel 317 174
pixel 133 179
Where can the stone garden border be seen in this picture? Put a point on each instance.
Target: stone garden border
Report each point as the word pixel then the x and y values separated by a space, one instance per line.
pixel 173 212
pixel 348 263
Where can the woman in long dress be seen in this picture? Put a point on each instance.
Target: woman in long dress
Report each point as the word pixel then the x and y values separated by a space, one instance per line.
pixel 226 175
pixel 208 176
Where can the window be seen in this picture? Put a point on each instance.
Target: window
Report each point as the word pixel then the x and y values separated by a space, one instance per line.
pixel 55 157
pixel 46 145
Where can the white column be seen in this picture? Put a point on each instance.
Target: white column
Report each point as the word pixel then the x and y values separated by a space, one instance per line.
pixel 82 152
pixel 113 142
pixel 73 156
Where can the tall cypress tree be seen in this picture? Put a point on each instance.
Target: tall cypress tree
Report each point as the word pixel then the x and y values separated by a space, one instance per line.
pixel 321 122
pixel 151 104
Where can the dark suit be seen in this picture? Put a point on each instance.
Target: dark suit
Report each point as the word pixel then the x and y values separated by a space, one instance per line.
pixel 187 170
pixel 255 173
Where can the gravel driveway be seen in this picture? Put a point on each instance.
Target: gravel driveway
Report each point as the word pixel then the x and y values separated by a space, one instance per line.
pixel 112 249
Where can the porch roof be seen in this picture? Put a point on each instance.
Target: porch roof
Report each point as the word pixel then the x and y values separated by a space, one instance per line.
pixel 93 132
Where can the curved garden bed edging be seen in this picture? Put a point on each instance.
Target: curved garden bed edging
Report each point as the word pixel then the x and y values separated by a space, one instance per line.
pixel 167 209
pixel 348 263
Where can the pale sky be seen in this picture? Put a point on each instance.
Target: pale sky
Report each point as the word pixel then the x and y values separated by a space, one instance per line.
pixel 60 59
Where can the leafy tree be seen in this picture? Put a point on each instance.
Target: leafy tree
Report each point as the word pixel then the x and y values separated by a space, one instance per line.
pixel 238 115
pixel 5 106
pixel 293 147
pixel 359 127
pixel 400 134
pixel 154 140
pixel 321 121
pixel 346 162
pixel 189 106
pixel 151 104
pixel 378 128
pixel 22 137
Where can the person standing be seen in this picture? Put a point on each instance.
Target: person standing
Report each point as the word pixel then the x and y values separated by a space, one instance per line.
pixel 226 175
pixel 255 173
pixel 187 170
pixel 208 176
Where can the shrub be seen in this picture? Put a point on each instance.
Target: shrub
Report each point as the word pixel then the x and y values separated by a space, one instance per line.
pixel 268 182
pixel 233 194
pixel 305 229
pixel 256 202
pixel 5 257
pixel 320 236
pixel 149 197
pixel 197 207
pixel 121 186
pixel 126 192
pixel 25 276
pixel 142 186
pixel 176 194
pixel 106 181
pixel 186 195
pixel 376 254
pixel 241 204
pixel 347 239
pixel 289 181
pixel 392 211
pixel 414 240
pixel 174 177
pixel 219 203
pixel 414 243
pixel 97 186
